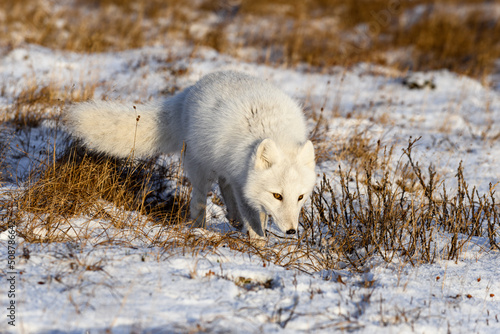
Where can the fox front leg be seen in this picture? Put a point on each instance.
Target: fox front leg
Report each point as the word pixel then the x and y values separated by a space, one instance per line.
pixel 233 214
pixel 252 221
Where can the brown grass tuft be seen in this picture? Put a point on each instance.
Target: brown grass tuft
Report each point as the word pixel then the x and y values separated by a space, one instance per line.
pixel 37 102
pixel 467 44
pixel 461 35
pixel 83 184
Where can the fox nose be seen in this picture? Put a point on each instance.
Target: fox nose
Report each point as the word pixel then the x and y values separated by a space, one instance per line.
pixel 291 231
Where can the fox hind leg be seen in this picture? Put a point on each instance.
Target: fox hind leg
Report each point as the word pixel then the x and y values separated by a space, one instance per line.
pixel 201 185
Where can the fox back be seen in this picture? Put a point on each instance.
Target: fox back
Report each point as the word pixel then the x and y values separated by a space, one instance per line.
pixel 226 115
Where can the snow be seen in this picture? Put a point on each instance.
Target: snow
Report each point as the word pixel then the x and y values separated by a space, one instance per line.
pixel 140 289
pixel 134 286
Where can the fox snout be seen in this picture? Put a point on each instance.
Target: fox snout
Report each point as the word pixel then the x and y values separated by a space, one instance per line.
pixel 289 229
pixel 286 218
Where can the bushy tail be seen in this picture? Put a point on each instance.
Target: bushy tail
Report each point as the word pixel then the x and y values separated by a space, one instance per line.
pixel 121 129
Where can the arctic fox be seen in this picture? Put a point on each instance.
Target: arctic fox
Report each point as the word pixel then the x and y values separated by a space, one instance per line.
pixel 235 129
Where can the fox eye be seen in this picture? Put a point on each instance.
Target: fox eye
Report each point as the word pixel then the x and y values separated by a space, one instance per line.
pixel 301 197
pixel 278 196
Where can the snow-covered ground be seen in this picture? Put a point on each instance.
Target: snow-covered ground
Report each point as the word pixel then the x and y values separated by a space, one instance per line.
pixel 95 287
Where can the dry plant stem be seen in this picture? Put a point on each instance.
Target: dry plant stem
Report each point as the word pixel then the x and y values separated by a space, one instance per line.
pixel 373 216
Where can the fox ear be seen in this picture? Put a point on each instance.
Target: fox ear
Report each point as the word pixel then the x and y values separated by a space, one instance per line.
pixel 306 155
pixel 267 154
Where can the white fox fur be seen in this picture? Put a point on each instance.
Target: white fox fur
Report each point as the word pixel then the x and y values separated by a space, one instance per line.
pixel 237 129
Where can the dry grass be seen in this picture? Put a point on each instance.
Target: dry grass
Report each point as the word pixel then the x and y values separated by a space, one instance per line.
pixel 83 26
pixel 38 102
pixel 3 152
pixel 469 44
pixel 83 184
pixel 332 32
pixel 449 34
pixel 372 214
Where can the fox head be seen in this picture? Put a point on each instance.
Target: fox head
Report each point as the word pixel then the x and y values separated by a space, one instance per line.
pixel 280 181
